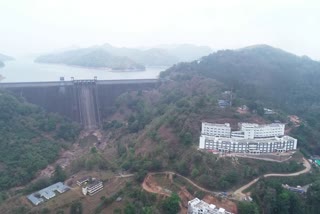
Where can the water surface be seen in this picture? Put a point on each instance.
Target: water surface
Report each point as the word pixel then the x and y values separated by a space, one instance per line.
pixel 25 70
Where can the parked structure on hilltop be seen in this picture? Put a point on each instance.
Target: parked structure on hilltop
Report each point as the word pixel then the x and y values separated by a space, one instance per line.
pixel 251 138
pixel 197 206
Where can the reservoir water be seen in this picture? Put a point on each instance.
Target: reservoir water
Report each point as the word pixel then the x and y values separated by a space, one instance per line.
pixel 25 70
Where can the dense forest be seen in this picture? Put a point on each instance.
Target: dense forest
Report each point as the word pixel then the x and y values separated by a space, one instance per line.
pixel 30 139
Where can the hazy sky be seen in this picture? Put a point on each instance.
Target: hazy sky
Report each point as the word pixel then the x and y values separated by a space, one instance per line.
pixel 28 26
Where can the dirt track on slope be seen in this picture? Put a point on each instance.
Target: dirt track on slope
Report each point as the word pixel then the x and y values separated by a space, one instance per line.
pixel 307 165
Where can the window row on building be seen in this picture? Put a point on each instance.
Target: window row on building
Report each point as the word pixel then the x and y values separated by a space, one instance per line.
pixel 247 130
pixel 265 145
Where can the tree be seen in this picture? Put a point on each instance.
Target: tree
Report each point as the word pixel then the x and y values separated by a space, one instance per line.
pixel 76 208
pixel 171 204
pixel 313 197
pixel 247 208
pixel 186 138
pixel 129 209
pixel 59 174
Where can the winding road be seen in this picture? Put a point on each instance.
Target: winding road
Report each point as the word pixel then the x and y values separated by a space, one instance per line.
pixel 307 165
pixel 238 192
pixel 145 186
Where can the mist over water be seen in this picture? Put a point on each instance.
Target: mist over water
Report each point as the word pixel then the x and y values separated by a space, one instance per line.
pixel 25 70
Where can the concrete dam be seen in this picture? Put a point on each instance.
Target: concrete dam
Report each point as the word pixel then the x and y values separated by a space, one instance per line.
pixel 83 101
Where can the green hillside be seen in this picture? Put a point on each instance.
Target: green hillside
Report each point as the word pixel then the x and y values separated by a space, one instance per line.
pixel 30 139
pixel 263 75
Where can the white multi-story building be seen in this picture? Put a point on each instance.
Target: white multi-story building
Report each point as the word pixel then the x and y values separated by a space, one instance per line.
pixel 253 130
pixel 259 145
pixel 252 138
pixel 213 129
pixel 92 188
pixel 197 206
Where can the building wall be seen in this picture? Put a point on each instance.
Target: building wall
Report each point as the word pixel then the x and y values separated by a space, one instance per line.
pixel 252 130
pixel 285 143
pixel 63 98
pixel 212 129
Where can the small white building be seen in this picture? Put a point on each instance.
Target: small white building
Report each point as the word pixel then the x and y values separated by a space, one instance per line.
pixel 83 180
pixel 197 206
pixel 92 188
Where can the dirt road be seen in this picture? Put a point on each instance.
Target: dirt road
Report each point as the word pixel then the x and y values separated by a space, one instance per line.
pixel 187 179
pixel 307 165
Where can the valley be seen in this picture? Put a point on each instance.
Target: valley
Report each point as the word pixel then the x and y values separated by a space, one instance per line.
pixel 141 140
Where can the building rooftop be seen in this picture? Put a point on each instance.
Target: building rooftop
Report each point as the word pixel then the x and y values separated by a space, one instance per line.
pixel 93 183
pixel 255 125
pixel 47 193
pixel 34 199
pixel 210 208
pixel 216 124
pixel 83 179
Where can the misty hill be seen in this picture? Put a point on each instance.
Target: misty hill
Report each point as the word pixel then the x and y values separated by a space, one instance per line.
pixel 149 57
pixel 91 57
pixel 186 52
pixel 126 58
pixel 4 58
pixel 163 55
pixel 261 72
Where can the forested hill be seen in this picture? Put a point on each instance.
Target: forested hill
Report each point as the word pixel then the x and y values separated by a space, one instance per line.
pixel 30 139
pixel 4 58
pixel 261 72
pixel 91 57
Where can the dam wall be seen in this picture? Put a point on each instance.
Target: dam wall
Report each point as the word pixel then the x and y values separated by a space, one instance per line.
pixel 83 101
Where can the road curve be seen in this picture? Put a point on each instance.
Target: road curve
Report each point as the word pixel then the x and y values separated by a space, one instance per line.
pixel 174 173
pixel 307 169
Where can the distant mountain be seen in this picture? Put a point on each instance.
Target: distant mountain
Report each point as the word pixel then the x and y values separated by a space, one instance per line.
pixel 149 57
pixel 261 72
pixel 4 58
pixel 91 57
pixel 125 58
pixel 186 52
